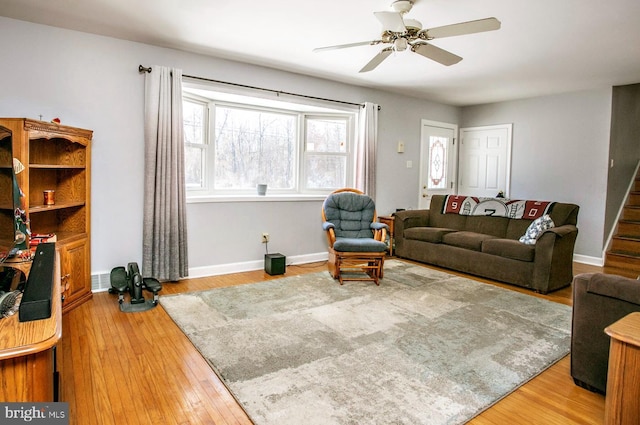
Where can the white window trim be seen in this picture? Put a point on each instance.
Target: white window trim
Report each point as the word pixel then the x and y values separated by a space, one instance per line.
pixel 200 199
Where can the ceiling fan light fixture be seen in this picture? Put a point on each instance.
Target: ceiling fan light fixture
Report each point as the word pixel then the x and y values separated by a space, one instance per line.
pixel 400 44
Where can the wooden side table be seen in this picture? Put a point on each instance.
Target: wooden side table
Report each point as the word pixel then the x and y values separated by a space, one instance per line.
pixel 622 404
pixel 389 221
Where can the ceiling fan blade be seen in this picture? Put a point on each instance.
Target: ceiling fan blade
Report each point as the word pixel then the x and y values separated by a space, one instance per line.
pixel 462 28
pixel 377 60
pixel 344 46
pixel 435 53
pixel 391 21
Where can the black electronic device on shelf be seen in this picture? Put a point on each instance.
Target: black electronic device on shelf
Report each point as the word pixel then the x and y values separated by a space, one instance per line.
pixel 38 289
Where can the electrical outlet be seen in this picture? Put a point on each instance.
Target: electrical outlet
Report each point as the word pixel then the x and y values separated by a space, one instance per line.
pixel 265 237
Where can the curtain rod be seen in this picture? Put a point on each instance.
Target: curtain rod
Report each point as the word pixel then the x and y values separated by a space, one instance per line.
pixel 277 92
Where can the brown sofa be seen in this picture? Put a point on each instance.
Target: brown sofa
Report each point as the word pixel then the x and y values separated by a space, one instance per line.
pixel 489 247
pixel 598 301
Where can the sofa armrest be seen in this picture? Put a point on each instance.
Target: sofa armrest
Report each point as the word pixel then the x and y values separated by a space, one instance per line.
pixel 563 230
pixel 411 218
pixel 405 220
pixel 613 286
pixel 598 301
pixel 553 268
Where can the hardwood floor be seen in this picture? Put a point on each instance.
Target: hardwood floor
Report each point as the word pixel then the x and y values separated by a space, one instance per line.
pixel 139 368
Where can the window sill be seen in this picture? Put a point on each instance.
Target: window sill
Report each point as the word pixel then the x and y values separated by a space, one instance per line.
pixel 253 198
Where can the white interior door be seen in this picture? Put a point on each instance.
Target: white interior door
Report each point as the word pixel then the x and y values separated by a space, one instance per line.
pixel 437 160
pixel 485 160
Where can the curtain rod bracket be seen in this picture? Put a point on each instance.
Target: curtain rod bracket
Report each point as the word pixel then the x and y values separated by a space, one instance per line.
pixel 143 69
pixel 362 105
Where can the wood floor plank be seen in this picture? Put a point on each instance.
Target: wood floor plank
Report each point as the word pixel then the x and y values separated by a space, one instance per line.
pixel 139 368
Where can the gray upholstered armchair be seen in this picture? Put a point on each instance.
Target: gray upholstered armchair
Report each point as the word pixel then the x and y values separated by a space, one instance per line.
pixel 356 240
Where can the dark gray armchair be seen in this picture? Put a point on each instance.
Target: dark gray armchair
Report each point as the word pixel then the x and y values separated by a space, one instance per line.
pixel 356 240
pixel 598 301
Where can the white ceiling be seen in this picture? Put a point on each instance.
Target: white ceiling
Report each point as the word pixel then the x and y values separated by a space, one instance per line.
pixel 543 47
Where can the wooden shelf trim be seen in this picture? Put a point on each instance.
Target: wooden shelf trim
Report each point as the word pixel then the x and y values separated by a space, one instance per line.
pixel 627 331
pixel 57 206
pixel 45 130
pixel 57 166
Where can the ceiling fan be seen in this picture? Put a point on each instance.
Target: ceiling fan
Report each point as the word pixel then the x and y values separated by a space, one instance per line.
pixel 403 33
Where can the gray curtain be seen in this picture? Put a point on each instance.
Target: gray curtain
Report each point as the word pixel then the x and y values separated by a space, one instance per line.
pixel 366 150
pixel 165 227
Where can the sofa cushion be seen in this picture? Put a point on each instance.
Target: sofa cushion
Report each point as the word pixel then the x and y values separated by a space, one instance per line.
pixel 359 245
pixel 467 240
pixel 516 228
pixel 509 248
pixel 447 221
pixel 427 234
pixel 494 226
pixel 537 227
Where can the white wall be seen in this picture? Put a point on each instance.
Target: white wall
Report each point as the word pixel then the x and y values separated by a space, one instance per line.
pixel 92 82
pixel 560 153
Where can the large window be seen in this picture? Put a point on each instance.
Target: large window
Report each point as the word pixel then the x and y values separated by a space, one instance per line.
pixel 254 147
pixel 232 147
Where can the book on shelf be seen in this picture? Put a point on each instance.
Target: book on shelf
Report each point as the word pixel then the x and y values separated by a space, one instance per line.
pixel 38 238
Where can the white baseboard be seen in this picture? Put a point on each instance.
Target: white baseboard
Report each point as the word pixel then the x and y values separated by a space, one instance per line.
pixel 247 266
pixel 100 282
pixel 585 259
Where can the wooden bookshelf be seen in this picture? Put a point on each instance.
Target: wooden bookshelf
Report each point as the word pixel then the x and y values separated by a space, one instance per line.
pixel 58 157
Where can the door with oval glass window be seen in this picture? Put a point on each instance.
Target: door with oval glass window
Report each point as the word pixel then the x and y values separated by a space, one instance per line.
pixel 438 160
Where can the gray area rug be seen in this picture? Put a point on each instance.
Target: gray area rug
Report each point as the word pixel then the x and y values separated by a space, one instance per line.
pixel 424 347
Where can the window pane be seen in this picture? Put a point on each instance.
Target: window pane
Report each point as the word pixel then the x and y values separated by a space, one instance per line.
pixel 437 163
pixel 325 172
pixel 193 117
pixel 194 165
pixel 193 114
pixel 326 135
pixel 252 147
